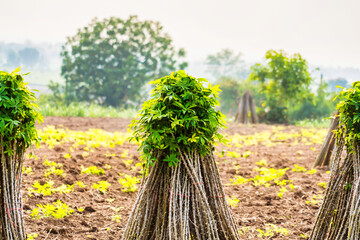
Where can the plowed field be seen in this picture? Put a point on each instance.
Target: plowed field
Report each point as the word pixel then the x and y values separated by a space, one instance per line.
pixel 266 172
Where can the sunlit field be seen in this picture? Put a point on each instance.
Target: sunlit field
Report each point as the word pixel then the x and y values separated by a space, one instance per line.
pixel 83 180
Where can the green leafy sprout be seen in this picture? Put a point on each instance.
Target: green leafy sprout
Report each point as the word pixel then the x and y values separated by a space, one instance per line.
pixel 92 170
pixel 18 113
pixel 180 115
pixel 31 236
pixel 349 111
pixel 47 188
pixel 129 183
pixel 102 186
pixel 56 210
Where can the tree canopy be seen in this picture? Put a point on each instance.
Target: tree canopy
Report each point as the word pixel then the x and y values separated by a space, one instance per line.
pixel 283 79
pixel 109 61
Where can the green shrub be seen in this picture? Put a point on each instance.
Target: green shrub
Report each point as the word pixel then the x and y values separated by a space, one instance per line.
pixel 180 115
pixel 18 113
pixel 349 110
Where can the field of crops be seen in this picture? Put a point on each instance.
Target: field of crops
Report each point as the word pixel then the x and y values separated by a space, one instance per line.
pixel 83 180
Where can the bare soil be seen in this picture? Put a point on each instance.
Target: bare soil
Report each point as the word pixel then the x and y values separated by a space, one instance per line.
pixel 258 206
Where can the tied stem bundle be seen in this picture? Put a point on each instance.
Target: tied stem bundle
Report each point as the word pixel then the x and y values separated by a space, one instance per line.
pixel 339 215
pixel 182 196
pixel 18 114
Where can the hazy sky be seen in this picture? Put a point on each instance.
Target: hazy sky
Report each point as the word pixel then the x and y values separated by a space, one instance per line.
pixel 325 32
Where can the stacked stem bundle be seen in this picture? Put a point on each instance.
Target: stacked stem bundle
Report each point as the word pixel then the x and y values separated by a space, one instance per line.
pixel 18 114
pixel 246 106
pixel 11 197
pixel 339 215
pixel 185 202
pixel 182 197
pixel 327 148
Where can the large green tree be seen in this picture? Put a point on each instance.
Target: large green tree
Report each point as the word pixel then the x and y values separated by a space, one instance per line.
pixel 109 61
pixel 284 79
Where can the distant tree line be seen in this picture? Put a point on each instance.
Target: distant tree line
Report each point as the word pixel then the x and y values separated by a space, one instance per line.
pixel 110 61
pixel 282 86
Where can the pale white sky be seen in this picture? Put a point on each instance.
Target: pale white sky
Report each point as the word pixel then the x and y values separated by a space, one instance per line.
pixel 325 32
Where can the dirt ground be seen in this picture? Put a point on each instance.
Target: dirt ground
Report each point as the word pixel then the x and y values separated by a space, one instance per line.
pixel 259 206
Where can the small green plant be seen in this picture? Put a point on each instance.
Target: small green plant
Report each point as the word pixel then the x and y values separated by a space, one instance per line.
pixel 47 188
pixel 233 154
pixel 244 230
pixel 238 180
pixel 268 175
pixel 92 170
pixel 27 170
pixel 322 184
pixel 102 186
pixel 128 163
pixel 304 236
pixel 281 182
pixel 125 153
pixel 80 209
pixel 31 236
pixel 298 169
pixel 54 171
pixel 56 210
pixel 80 184
pixel 116 218
pixel 270 231
pixel 236 167
pixel 48 163
pixel 64 189
pixel 129 183
pixel 282 191
pixel 246 154
pixel 110 155
pixel 315 199
pixel 234 202
pixel 262 162
pixel 311 171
